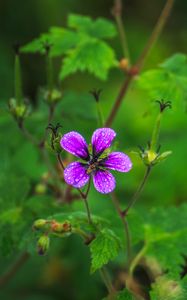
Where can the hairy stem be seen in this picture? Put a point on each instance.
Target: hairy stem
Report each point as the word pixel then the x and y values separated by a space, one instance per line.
pixel 4 279
pixel 138 192
pixel 125 224
pixel 100 114
pixel 155 134
pixel 60 161
pixel 84 197
pixel 17 80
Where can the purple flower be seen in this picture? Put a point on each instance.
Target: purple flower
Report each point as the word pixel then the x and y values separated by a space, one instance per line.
pixel 96 163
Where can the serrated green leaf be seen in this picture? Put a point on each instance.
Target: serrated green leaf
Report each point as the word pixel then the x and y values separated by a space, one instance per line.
pixel 60 39
pixel 91 55
pixel 168 81
pixel 104 248
pixel 163 229
pixel 37 45
pixel 99 28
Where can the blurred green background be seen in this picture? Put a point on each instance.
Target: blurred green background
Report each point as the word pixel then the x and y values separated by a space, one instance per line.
pixel 64 273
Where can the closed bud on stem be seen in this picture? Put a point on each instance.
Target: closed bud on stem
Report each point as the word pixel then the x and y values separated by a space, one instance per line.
pixel 64 227
pixel 39 224
pixel 18 110
pixel 40 189
pixel 55 138
pixel 52 96
pixel 124 64
pixel 43 244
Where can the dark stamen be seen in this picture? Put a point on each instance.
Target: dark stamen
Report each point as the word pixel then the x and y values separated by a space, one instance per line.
pixel 96 94
pixel 163 105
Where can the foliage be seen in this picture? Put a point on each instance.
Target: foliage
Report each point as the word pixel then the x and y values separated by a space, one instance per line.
pixel 171 73
pixel 104 248
pixel 39 213
pixel 81 46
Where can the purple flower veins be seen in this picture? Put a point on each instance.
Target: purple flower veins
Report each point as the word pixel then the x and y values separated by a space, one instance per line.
pixel 94 163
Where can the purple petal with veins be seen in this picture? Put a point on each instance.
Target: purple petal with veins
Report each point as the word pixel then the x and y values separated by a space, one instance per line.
pixel 117 161
pixel 102 139
pixel 74 143
pixel 75 174
pixel 104 181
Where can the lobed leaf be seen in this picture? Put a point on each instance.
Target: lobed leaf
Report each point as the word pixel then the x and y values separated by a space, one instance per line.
pixel 104 248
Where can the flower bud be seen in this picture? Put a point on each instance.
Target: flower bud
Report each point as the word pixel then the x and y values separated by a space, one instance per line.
pixel 61 227
pixel 18 111
pixel 40 189
pixel 52 96
pixel 56 144
pixel 43 244
pixel 39 224
pixel 124 64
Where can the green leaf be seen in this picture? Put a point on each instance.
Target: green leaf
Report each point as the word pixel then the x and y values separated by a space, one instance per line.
pixel 104 248
pixel 164 234
pixel 90 55
pixel 100 28
pixel 37 45
pixel 168 81
pixel 60 39
pixel 167 289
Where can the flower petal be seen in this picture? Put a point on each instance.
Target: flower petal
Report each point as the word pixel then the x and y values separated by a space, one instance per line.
pixel 75 174
pixel 104 181
pixel 117 161
pixel 102 139
pixel 74 143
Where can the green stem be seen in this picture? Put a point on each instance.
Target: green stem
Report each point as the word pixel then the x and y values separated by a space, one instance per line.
pixel 123 37
pixel 17 80
pixel 100 114
pixel 138 192
pixel 137 258
pixel 83 234
pixel 155 134
pixel 106 278
pixel 49 71
pixel 125 224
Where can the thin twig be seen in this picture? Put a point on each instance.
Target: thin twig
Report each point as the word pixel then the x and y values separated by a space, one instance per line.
pixel 119 100
pixel 138 192
pixel 117 12
pixel 50 118
pixel 155 33
pixel 4 279
pixel 138 66
pixel 60 161
pixel 28 135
